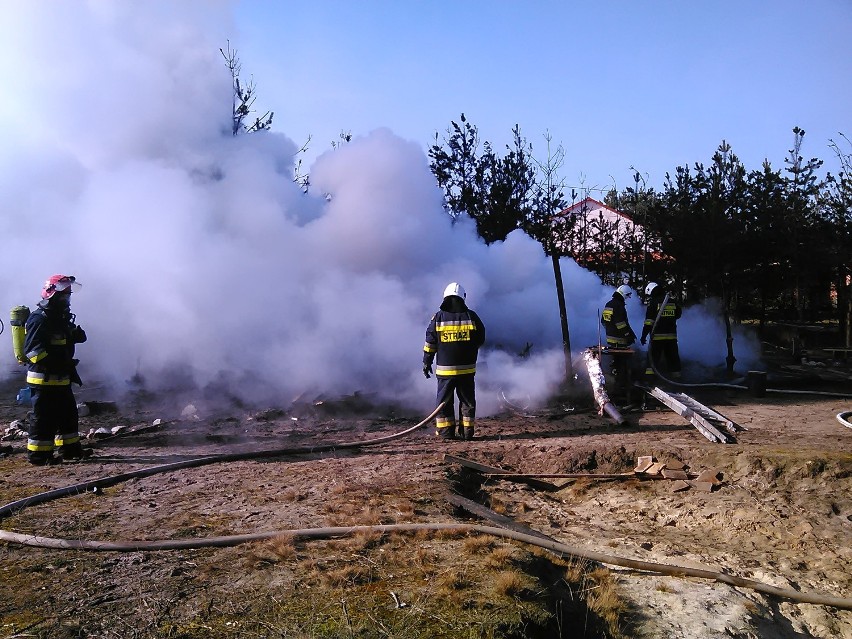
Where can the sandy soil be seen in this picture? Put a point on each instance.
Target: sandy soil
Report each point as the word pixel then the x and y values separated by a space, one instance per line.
pixel 782 514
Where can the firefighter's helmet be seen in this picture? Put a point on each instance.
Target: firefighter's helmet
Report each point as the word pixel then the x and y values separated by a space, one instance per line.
pixel 650 288
pixel 454 288
pixel 59 284
pixel 624 291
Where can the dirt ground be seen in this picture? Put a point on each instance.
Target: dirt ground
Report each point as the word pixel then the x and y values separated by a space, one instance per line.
pixel 781 515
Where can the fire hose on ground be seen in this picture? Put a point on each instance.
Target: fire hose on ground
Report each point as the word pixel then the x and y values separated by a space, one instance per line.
pixel 195 462
pixel 346 531
pixel 336 532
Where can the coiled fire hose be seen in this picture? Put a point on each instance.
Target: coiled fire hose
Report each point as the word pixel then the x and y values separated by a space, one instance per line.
pixel 344 531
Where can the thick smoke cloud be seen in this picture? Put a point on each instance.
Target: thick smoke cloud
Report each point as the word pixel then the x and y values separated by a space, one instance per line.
pixel 204 264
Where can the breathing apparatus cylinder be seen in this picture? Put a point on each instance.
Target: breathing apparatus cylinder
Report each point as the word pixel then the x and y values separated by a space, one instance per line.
pixel 18 320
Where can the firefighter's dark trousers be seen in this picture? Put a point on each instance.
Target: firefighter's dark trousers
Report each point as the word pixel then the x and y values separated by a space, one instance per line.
pixel 465 387
pixel 660 351
pixel 54 423
pixel 621 366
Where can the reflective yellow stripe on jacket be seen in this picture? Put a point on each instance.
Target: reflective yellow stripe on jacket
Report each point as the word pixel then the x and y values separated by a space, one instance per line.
pixel 44 379
pixel 447 371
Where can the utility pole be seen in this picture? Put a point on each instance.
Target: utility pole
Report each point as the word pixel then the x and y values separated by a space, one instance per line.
pixel 563 317
pixel 554 161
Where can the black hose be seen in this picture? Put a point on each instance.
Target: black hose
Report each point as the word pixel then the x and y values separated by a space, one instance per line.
pixel 104 482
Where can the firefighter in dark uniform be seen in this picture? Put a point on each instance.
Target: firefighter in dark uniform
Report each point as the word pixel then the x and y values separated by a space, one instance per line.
pixel 664 336
pixel 455 334
pixel 51 335
pixel 619 335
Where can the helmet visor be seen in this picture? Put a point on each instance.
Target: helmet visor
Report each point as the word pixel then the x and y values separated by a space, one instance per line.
pixel 68 284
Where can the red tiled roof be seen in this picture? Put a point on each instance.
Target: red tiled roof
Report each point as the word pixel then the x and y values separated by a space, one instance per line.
pixel 590 204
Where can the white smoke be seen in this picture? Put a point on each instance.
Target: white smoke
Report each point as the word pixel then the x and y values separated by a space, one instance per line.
pixel 702 338
pixel 202 262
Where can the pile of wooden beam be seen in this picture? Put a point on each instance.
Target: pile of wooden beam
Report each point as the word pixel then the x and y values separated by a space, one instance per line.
pixel 647 468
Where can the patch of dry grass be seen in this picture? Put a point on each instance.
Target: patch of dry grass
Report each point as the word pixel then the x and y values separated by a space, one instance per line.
pixel 604 599
pixel 366 539
pixel 510 583
pixel 499 506
pixel 500 556
pixel 347 575
pixel 478 544
pixel 403 511
pixel 448 534
pixel 449 583
pixel 663 586
pixel 282 547
pixel 291 495
pixel 425 559
pixel 455 585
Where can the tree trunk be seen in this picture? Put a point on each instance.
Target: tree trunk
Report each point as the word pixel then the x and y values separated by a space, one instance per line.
pixel 563 317
pixel 847 311
pixel 729 338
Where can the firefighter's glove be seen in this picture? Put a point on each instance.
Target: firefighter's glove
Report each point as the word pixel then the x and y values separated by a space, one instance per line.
pixel 427 370
pixel 643 340
pixel 78 335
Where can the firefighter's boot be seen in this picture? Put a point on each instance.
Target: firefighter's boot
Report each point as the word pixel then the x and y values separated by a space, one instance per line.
pixel 43 459
pixel 468 433
pixel 447 432
pixel 74 452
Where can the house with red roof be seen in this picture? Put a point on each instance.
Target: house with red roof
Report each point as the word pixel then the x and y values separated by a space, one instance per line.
pixel 600 237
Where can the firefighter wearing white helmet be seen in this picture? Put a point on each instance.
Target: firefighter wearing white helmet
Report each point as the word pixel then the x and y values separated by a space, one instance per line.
pixel 454 288
pixel 49 344
pixel 453 337
pixel 662 331
pixel 619 336
pixel 614 319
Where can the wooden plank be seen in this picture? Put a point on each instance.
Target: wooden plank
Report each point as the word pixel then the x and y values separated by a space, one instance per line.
pixel 573 475
pixel 706 486
pixel 695 418
pixel 707 425
pixel 486 513
pixel 643 464
pixel 655 468
pixel 728 424
pixel 491 470
pixel 710 475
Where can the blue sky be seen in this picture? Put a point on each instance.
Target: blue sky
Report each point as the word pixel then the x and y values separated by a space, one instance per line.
pixel 651 84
